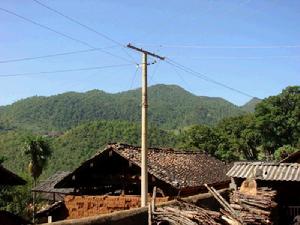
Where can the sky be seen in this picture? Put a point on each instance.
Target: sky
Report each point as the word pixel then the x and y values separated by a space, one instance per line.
pixel 237 48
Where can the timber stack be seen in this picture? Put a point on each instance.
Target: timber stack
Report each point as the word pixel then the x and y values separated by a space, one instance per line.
pixel 185 213
pixel 258 208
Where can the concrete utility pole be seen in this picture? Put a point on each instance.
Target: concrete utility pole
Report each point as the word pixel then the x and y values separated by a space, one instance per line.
pixel 144 145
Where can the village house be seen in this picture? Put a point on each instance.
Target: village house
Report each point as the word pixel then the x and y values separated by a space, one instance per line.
pixel 283 177
pixel 48 192
pixel 8 178
pixel 53 197
pixel 110 180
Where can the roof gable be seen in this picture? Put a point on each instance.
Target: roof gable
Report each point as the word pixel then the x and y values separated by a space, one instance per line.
pixel 180 169
pixel 9 178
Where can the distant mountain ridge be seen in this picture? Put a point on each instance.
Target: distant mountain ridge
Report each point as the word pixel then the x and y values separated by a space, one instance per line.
pixel 170 107
pixel 250 106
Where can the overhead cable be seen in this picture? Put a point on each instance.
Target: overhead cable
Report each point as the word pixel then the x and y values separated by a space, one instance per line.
pixel 220 47
pixel 85 26
pixel 60 33
pixel 54 55
pixel 64 70
pixel 206 78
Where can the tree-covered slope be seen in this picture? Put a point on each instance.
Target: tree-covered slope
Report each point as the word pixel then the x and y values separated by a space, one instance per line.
pixel 169 107
pixel 250 106
pixel 79 143
pixel 10 149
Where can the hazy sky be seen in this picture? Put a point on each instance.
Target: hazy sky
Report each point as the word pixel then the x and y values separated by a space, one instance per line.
pixel 250 45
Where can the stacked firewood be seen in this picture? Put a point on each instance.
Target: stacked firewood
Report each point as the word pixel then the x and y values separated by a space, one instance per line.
pixel 255 209
pixel 184 213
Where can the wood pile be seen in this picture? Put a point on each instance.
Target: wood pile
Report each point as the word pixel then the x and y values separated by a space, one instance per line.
pixel 184 213
pixel 243 209
pixel 255 209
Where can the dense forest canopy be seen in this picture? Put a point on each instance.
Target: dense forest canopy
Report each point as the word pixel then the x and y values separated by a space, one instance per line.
pixel 274 127
pixel 171 107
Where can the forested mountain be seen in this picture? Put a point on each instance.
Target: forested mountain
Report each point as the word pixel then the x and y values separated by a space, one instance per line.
pixel 170 107
pixel 250 106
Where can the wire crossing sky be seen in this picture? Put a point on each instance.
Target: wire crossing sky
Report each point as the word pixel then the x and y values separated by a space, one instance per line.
pixel 233 49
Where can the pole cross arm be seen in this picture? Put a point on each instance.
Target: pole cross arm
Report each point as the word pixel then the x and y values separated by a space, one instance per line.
pixel 146 52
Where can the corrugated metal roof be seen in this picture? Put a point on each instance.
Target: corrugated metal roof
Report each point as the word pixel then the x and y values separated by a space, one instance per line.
pixel 266 171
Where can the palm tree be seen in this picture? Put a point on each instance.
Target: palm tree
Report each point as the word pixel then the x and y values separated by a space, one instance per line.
pixel 38 150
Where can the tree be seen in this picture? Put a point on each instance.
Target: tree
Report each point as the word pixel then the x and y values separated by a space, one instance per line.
pixel 239 138
pixel 284 152
pixel 200 137
pixel 232 139
pixel 2 159
pixel 38 150
pixel 278 120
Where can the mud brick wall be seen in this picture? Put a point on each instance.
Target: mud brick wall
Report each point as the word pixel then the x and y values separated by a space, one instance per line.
pixel 137 216
pixel 85 205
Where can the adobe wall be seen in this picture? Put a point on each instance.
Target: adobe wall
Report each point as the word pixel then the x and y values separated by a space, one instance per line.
pixel 85 205
pixel 138 216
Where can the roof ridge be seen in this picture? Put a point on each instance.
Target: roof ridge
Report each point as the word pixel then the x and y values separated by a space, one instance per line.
pixel 121 146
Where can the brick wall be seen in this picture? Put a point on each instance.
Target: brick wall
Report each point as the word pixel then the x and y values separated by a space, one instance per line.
pixel 86 205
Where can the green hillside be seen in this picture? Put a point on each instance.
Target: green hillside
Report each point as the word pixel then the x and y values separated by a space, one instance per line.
pixel 250 106
pixel 170 107
pixel 79 143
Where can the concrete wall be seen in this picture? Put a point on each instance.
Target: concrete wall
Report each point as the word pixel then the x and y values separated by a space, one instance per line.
pixel 138 216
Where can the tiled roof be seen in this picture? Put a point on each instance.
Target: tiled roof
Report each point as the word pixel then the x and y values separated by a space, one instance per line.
pixel 47 186
pixel 180 169
pixel 266 171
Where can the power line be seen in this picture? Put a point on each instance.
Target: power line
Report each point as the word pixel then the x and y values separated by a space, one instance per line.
pixel 65 70
pixel 77 22
pixel 151 76
pixel 206 78
pixel 85 26
pixel 59 33
pixel 134 76
pixel 46 27
pixel 179 75
pixel 109 47
pixel 221 47
pixel 242 57
pixel 54 55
